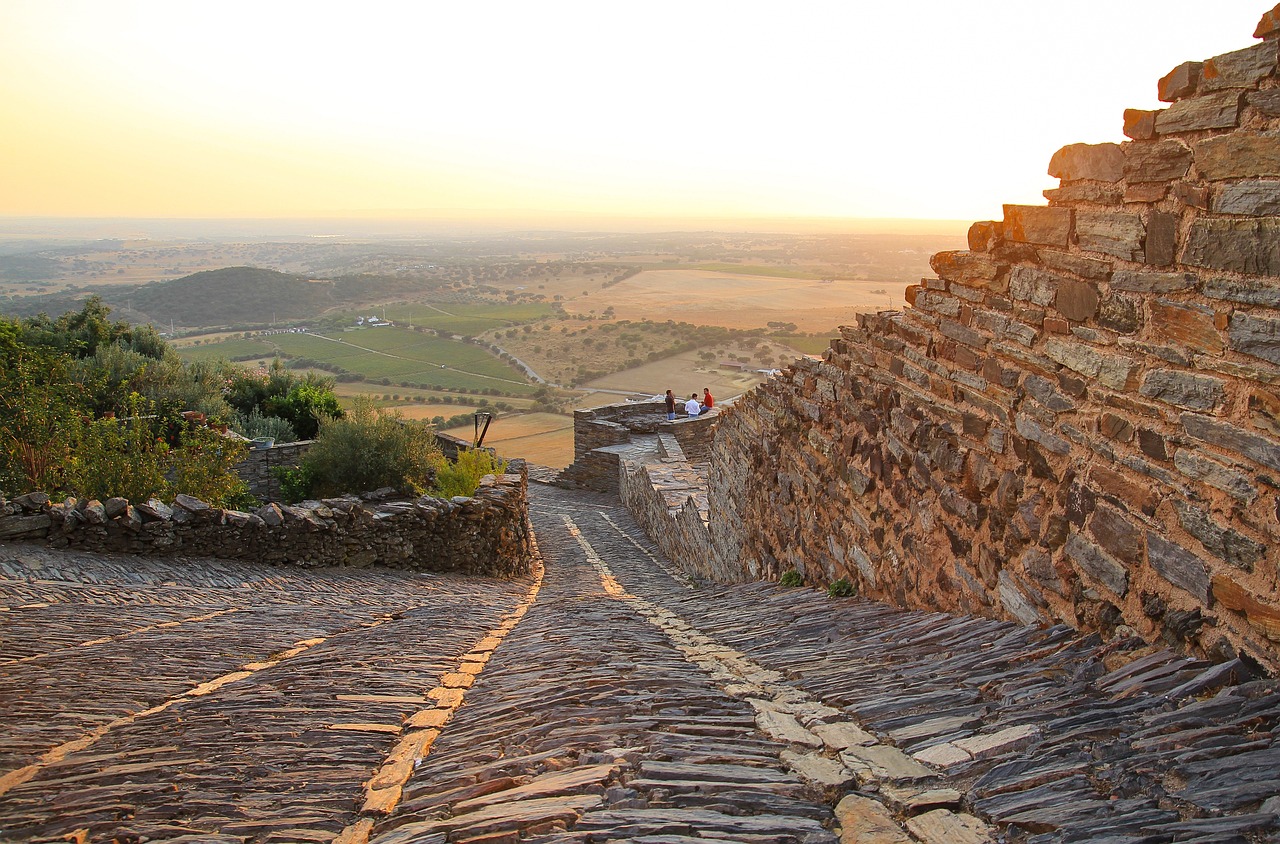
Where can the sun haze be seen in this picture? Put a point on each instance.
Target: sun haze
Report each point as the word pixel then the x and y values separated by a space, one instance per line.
pixel 570 111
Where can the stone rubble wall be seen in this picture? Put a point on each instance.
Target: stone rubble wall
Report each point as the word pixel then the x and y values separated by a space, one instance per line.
pixel 255 470
pixel 1078 419
pixel 486 534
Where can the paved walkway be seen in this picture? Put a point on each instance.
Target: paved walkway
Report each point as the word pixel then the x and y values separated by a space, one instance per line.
pixel 607 699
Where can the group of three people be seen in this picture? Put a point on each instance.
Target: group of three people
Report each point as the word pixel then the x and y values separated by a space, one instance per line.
pixel 692 407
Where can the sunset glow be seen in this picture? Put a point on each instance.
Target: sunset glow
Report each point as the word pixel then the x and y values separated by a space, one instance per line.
pixel 562 111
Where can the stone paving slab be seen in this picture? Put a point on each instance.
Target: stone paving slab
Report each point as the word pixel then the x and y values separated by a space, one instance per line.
pixel 609 698
pixel 133 722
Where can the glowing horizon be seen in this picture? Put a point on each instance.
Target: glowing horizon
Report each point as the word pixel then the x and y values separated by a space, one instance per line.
pixel 568 110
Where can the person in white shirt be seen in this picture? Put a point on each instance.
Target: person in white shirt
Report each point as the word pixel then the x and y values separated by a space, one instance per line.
pixel 692 407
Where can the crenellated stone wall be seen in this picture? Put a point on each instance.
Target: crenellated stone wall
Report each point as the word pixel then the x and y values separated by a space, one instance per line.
pixel 1078 419
pixel 485 534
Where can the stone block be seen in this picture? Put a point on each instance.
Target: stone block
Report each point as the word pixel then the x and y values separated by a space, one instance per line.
pixel 1201 468
pixel 1115 427
pixel 1183 389
pixel 1076 300
pixel 1152 444
pixel 1036 224
pixel 23 526
pixel 1015 601
pixel 1267 102
pixel 1256 336
pixel 1264 450
pixel 973 269
pixel 985 236
pixel 1187 324
pixel 1033 285
pixel 1243 246
pixel 865 821
pixel 1225 543
pixel 1252 292
pixel 1139 124
pixel 944 755
pixel 1179 82
pixel 1212 111
pixel 1046 392
pixel 1238 156
pixel 1263 617
pixel 1099 162
pixel 1034 431
pixel 1156 161
pixel 1093 193
pixel 1095 269
pixel 1196 196
pixel 1117 535
pixel 987 745
pixel 1146 192
pixel 1269 26
pixel 1097 564
pixel 1241 68
pixel 942 826
pixel 1074 356
pixel 1180 567
pixel 1119 313
pixel 1253 198
pixel 880 762
pixel 1111 233
pixel 1161 243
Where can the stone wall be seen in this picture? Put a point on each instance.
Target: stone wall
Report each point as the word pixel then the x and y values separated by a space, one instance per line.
pixel 1078 419
pixel 255 470
pixel 486 534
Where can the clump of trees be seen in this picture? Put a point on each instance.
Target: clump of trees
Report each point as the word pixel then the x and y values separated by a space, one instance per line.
pixel 100 408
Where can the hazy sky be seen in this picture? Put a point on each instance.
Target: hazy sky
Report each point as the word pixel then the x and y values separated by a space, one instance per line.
pixel 564 110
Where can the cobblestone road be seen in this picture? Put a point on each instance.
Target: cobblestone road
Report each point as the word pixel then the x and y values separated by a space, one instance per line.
pixel 606 699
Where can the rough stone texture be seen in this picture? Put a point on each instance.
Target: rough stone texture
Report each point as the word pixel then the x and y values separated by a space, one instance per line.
pixel 1238 156
pixel 485 534
pixel 1240 69
pixel 1255 198
pixel 1156 161
pixel 1111 233
pixel 1179 82
pixel 1037 224
pixel 1085 432
pixel 1212 111
pixel 1103 162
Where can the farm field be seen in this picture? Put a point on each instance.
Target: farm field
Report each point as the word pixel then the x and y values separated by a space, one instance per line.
pixel 545 438
pixel 734 300
pixel 682 374
pixel 397 354
pixel 465 319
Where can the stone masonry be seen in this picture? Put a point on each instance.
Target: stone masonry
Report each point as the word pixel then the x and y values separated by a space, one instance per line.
pixel 1077 420
pixel 485 534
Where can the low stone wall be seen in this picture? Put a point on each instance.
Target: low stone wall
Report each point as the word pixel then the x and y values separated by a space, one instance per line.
pixel 694 434
pixel 255 470
pixel 668 500
pixel 486 534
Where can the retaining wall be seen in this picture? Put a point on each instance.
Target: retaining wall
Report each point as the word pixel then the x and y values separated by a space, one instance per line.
pixel 486 534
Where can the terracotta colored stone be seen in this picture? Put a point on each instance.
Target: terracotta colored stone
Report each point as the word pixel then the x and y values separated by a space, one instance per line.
pixel 1156 161
pixel 1238 156
pixel 1190 325
pixel 1100 162
pixel 1139 125
pixel 1179 82
pixel 1264 617
pixel 1269 26
pixel 1037 224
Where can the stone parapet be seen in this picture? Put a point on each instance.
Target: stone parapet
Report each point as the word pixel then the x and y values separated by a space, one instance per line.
pixel 485 534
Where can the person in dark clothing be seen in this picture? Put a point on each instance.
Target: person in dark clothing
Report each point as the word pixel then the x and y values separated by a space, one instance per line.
pixel 671 405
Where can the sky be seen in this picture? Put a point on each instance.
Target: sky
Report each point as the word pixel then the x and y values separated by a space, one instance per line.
pixel 572 112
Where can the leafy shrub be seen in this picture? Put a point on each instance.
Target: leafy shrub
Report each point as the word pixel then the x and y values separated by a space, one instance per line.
pixel 462 476
pixel 841 588
pixel 126 458
pixel 305 406
pixel 254 424
pixel 295 482
pixel 791 578
pixel 40 409
pixel 202 464
pixel 371 448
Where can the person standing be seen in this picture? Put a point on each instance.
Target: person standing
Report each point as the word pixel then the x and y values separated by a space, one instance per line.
pixel 671 405
pixel 707 401
pixel 692 407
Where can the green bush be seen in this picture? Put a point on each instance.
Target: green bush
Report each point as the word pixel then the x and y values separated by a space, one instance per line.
pixel 371 448
pixel 255 424
pixel 462 476
pixel 124 458
pixel 202 464
pixel 791 578
pixel 295 482
pixel 841 588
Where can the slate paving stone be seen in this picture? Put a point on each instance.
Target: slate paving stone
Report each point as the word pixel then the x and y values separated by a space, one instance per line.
pixel 625 705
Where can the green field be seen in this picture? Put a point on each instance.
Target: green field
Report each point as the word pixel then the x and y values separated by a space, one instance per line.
pixel 467 319
pixel 397 354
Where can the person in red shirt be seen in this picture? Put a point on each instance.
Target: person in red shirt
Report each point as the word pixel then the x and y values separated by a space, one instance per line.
pixel 707 401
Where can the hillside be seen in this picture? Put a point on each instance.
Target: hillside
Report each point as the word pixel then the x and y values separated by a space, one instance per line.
pixel 232 296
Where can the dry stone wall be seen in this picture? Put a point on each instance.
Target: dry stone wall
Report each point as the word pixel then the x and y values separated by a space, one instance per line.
pixel 485 534
pixel 1078 419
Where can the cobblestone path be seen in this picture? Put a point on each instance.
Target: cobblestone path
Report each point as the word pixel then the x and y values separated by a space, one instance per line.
pixel 607 699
